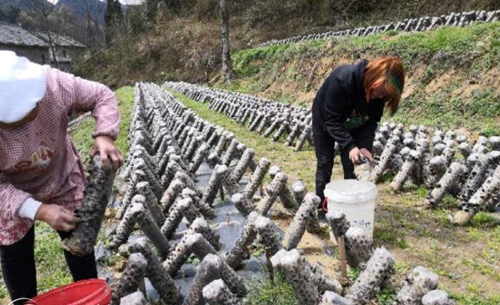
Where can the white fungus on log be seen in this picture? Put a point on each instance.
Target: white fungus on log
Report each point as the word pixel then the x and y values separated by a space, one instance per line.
pixel 378 269
pixel 437 297
pixel 417 284
pixel 217 293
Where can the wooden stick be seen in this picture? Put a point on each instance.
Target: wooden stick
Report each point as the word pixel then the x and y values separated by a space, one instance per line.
pixel 343 260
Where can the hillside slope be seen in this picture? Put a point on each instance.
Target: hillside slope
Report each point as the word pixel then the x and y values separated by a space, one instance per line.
pixel 185 45
pixel 453 73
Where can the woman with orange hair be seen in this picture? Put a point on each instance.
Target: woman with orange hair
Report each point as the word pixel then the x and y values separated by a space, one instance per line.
pixel 347 110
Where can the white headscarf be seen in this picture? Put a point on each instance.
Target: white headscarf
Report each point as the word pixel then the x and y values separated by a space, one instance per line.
pixel 22 86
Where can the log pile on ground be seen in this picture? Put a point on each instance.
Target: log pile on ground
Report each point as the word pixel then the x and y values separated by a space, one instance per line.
pixel 268 118
pixel 408 25
pixel 444 162
pixel 168 215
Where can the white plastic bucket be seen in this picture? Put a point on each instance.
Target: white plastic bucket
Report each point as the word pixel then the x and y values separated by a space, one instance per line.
pixel 356 199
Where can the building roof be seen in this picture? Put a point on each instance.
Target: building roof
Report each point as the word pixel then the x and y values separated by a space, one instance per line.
pixel 11 34
pixel 60 40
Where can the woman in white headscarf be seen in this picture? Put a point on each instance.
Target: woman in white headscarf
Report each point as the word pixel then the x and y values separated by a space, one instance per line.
pixel 41 175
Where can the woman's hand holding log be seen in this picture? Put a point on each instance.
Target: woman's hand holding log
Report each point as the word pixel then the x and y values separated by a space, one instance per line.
pixel 58 217
pixel 356 153
pixel 365 152
pixel 110 154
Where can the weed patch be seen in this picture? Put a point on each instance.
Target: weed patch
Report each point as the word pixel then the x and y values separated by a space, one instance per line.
pixel 269 291
pixel 483 220
pixel 475 299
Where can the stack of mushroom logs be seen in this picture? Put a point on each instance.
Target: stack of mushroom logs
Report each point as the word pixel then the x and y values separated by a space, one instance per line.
pixel 445 163
pixel 268 118
pixel 407 25
pixel 168 144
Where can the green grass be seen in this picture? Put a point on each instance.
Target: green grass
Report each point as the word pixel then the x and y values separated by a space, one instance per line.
pixel 297 165
pixel 50 263
pixel 271 292
pixel 4 294
pixel 243 60
pixel 475 233
pixel 126 97
pixel 476 299
pixel 402 267
pixel 51 266
pixel 470 51
pixel 388 235
pixel 421 192
pixel 386 296
pixel 82 137
pixel 479 114
pixel 353 273
pixel 483 220
pixel 485 269
pixel 409 46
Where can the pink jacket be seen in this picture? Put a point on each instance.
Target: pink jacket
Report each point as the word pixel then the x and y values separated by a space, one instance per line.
pixel 39 159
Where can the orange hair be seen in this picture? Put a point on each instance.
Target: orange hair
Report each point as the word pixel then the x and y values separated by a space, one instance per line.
pixel 388 73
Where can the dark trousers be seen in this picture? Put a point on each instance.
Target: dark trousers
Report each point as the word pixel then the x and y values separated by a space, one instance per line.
pixel 324 147
pixel 19 271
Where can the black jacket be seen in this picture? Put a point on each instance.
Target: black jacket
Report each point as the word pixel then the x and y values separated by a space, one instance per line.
pixel 340 108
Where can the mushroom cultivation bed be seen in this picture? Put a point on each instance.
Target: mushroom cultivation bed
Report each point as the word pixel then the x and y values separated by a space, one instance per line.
pixel 442 162
pixel 407 25
pixel 179 176
pixel 268 118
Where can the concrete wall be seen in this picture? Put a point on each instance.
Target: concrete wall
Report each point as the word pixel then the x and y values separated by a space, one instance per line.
pixel 39 55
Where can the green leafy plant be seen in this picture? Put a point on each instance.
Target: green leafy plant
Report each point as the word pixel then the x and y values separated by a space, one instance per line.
pixel 386 296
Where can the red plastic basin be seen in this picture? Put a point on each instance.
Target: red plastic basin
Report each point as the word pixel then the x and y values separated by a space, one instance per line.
pixel 88 292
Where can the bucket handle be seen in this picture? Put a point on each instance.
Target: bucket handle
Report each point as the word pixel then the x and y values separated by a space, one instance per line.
pixel 31 301
pixel 324 206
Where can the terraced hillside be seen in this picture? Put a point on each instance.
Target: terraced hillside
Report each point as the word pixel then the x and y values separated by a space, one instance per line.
pixel 452 72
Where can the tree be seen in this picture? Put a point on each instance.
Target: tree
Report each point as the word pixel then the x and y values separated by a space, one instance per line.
pixel 227 68
pixel 42 10
pixel 10 14
pixel 174 5
pixel 112 18
pixel 91 13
